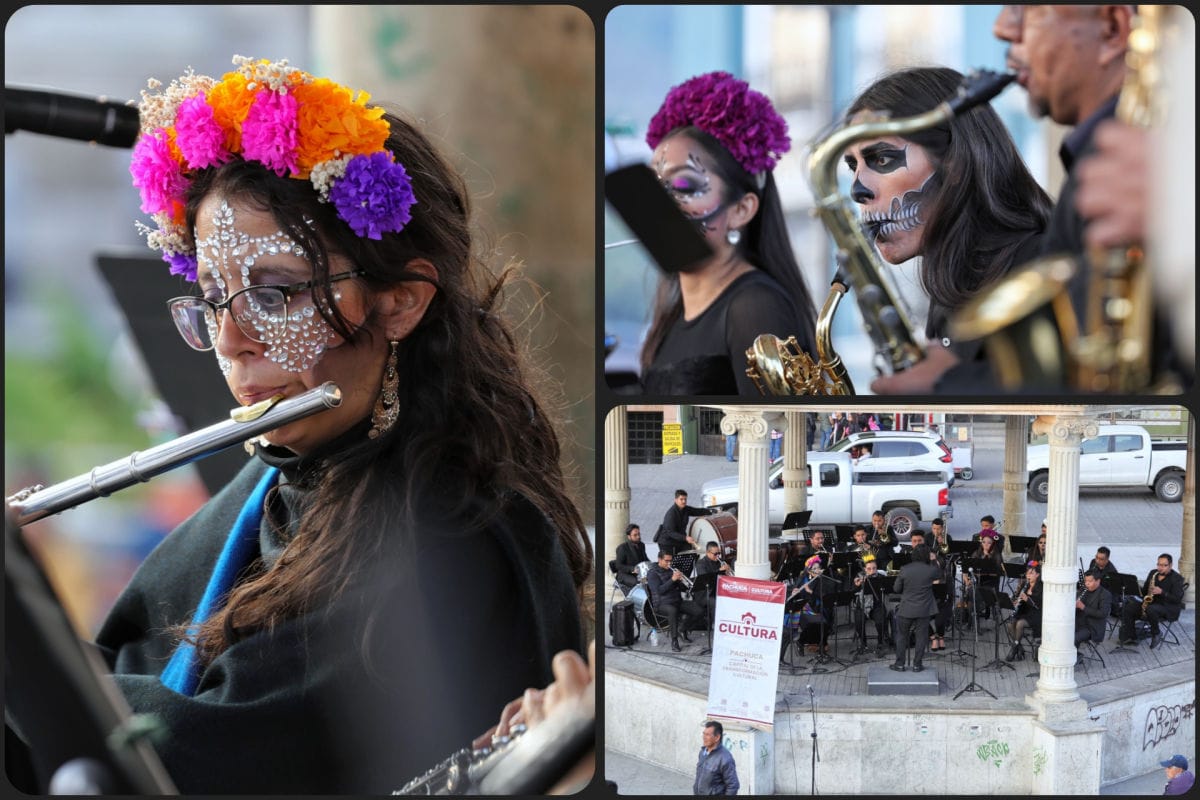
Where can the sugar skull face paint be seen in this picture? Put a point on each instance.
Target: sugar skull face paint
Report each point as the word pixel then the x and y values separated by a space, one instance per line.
pixel 685 173
pixel 893 182
pixel 228 256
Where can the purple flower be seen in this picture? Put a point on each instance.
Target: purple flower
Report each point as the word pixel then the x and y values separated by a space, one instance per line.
pixel 181 264
pixel 269 132
pixel 726 108
pixel 374 196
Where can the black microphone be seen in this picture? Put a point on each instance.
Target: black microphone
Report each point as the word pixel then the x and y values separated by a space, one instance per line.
pixel 70 116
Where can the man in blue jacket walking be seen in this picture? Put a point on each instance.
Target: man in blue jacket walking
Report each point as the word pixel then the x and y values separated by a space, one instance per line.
pixel 715 771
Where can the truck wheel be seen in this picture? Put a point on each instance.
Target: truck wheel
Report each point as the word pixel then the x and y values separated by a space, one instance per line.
pixel 967 473
pixel 1169 487
pixel 903 522
pixel 1039 487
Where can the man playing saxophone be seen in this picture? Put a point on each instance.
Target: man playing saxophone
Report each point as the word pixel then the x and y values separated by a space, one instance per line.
pixel 1162 598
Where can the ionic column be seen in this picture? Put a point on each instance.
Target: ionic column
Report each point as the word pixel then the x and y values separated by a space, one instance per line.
pixel 616 481
pixel 795 461
pixel 1187 546
pixel 1015 478
pixel 1057 694
pixel 753 560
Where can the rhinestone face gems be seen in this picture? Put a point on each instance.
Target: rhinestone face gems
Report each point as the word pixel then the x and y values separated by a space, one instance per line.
pixel 295 334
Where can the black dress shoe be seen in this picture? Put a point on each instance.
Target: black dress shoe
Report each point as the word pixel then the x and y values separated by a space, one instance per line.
pixel 686 638
pixel 1154 640
pixel 675 645
pixel 917 666
pixel 897 667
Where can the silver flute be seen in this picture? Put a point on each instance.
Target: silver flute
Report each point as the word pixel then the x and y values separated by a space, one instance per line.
pixel 35 502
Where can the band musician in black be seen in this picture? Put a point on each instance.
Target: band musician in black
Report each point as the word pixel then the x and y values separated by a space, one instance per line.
pixel 666 598
pixel 869 605
pixel 882 539
pixel 805 608
pixel 673 536
pixel 1092 608
pixel 1162 598
pixel 630 553
pixel 710 563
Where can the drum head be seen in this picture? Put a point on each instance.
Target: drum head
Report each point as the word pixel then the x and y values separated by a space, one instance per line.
pixel 642 570
pixel 720 528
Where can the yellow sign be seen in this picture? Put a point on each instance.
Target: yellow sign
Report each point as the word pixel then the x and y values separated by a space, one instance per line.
pixel 672 439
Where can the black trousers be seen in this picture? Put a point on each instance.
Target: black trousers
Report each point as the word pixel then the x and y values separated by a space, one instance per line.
pixel 627 581
pixel 879 616
pixel 1155 612
pixel 918 627
pixel 680 616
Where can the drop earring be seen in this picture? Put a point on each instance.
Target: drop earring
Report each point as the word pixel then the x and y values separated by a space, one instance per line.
pixel 387 408
pixel 733 236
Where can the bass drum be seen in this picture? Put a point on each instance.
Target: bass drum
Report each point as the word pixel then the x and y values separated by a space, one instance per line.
pixel 640 597
pixel 720 528
pixel 642 570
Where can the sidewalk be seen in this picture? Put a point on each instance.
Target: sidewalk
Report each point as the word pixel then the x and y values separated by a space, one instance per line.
pixel 634 776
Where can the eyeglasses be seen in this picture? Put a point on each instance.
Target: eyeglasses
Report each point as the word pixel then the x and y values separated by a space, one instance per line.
pixel 261 312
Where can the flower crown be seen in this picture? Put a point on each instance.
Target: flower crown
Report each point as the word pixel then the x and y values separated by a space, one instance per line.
pixel 726 108
pixel 293 124
pixel 812 560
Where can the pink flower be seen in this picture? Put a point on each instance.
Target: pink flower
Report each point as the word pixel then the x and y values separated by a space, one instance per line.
pixel 269 133
pixel 726 108
pixel 198 134
pixel 156 174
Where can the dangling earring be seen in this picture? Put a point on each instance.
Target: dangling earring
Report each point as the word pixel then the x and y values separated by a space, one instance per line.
pixel 386 407
pixel 733 236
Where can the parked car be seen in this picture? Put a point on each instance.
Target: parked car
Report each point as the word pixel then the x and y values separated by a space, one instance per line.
pixel 893 451
pixel 843 495
pixel 1120 455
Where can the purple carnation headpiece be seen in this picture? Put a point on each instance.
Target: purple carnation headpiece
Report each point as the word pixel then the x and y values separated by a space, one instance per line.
pixel 726 108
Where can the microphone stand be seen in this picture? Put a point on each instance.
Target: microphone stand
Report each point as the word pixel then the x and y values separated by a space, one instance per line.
pixel 815 756
pixel 973 686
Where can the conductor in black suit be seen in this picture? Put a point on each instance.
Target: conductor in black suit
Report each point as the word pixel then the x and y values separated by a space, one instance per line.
pixel 629 554
pixel 914 584
pixel 1092 610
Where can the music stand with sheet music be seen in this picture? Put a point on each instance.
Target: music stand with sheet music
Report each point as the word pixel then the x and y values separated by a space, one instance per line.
pixel 1019 545
pixel 706 585
pixel 797 520
pixel 962 548
pixel 1131 592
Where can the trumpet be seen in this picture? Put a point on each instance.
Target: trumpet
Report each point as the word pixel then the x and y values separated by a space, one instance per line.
pixel 35 502
pixel 684 579
pixel 1027 321
pixel 723 564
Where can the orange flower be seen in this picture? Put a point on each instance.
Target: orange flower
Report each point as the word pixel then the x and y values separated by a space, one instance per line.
pixel 230 101
pixel 330 118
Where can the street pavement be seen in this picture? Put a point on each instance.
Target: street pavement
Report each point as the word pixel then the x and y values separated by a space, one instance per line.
pixel 1131 522
pixel 634 776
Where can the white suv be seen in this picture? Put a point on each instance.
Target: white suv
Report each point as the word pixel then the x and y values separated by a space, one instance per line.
pixel 900 451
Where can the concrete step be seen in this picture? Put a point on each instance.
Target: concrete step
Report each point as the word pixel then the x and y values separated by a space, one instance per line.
pixel 882 679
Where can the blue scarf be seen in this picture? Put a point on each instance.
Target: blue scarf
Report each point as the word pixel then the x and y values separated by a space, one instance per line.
pixel 182 673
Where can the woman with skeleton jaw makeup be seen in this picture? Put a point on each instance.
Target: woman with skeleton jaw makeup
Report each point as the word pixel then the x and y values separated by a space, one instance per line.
pixel 959 196
pixel 340 592
pixel 715 144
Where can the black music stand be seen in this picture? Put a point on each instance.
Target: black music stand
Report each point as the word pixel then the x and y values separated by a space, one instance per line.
pixel 796 520
pixel 1019 545
pixel 1014 572
pixel 972 686
pixel 706 585
pixel 69 711
pixel 840 563
pixel 957 567
pixel 963 549
pixel 1131 591
pixel 1000 601
pixel 685 562
pixel 982 568
pixel 823 588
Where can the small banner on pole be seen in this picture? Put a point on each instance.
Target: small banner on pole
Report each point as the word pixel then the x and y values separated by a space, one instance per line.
pixel 744 673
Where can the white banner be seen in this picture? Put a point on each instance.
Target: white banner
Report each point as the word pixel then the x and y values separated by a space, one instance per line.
pixel 747 622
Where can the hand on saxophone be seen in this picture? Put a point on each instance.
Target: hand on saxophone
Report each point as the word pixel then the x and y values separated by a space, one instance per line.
pixel 1114 186
pixel 920 377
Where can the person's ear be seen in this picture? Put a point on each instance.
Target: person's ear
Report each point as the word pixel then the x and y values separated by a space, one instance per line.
pixel 741 212
pixel 1116 23
pixel 403 305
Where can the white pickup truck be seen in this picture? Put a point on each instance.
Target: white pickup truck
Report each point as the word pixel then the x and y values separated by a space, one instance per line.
pixel 843 496
pixel 1120 455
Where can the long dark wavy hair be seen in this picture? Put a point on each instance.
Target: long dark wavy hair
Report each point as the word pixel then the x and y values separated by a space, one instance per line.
pixel 764 243
pixel 987 205
pixel 473 429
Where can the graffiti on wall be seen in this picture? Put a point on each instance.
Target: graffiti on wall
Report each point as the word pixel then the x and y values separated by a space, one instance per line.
pixel 992 750
pixel 1162 722
pixel 1040 757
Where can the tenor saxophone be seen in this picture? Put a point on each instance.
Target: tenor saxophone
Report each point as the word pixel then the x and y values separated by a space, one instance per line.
pixel 1028 324
pixel 884 317
pixel 779 367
